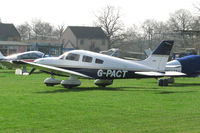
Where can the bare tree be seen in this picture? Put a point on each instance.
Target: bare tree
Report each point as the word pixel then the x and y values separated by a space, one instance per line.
pixel 148 28
pixel 42 30
pixel 181 20
pixel 196 22
pixel 134 38
pixel 109 19
pixel 24 31
pixel 58 32
pixel 197 6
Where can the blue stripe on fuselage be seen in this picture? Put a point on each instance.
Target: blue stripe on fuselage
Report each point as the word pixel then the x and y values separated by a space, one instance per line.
pixel 107 73
pixel 190 65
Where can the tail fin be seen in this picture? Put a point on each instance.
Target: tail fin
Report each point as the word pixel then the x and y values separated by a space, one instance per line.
pixel 159 57
pixel 1 56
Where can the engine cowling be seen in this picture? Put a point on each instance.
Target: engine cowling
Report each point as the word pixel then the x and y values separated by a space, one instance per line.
pixel 103 82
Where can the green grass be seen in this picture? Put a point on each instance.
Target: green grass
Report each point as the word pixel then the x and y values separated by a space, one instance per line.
pixel 127 106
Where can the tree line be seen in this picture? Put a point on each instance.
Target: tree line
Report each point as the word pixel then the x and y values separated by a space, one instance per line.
pixel 182 26
pixel 40 30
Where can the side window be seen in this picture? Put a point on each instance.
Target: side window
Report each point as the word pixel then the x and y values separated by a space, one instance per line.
pixel 87 59
pixel 34 56
pixel 24 56
pixel 81 41
pixel 74 57
pixel 98 61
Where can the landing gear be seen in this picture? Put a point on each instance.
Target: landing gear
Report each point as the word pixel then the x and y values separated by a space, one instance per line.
pixel 72 82
pixel 103 82
pixel 163 82
pixel 52 81
pixel 171 80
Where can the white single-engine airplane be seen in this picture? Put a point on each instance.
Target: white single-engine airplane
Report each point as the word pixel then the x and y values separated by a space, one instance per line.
pixel 103 68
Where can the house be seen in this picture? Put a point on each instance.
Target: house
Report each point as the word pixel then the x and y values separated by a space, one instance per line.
pixel 10 40
pixel 82 37
pixel 8 32
pixel 12 47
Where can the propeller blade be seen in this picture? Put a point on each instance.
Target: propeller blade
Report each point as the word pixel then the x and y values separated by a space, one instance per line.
pixel 32 70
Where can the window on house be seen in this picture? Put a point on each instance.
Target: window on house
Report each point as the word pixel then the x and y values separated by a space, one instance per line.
pixel 73 57
pixel 103 42
pixel 81 41
pixel 87 59
pixel 98 61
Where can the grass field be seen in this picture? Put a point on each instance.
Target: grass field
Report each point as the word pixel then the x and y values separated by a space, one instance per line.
pixel 127 106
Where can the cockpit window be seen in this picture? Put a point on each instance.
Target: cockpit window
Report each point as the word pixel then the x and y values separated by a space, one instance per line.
pixel 87 59
pixel 62 57
pixel 71 56
pixel 98 61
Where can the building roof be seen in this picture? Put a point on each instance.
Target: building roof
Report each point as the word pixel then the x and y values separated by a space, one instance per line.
pixel 8 30
pixel 13 43
pixel 88 32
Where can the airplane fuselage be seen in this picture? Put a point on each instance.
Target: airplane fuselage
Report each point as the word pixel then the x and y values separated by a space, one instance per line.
pixel 97 66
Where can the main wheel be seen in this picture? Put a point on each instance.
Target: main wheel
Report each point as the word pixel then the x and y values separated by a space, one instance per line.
pixel 47 84
pixel 163 82
pixel 170 80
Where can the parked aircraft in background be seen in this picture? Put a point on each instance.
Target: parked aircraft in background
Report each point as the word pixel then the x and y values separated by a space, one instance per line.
pixel 189 65
pixel 29 56
pixel 103 68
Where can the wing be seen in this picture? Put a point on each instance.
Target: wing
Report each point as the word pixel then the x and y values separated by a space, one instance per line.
pixel 50 69
pixel 159 74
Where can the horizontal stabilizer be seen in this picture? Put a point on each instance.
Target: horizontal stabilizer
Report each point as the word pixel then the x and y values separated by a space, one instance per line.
pixel 159 74
pixel 173 66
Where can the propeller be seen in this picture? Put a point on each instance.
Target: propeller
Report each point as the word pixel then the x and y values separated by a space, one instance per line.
pixel 32 70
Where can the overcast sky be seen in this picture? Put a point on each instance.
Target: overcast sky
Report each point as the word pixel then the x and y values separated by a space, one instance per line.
pixel 81 12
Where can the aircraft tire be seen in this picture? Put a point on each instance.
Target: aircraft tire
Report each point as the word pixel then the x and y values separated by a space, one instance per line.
pixel 103 83
pixel 163 82
pixel 170 80
pixel 103 86
pixel 69 86
pixel 49 84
